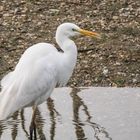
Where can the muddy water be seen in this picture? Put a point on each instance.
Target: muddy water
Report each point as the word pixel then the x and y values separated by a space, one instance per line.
pixel 80 114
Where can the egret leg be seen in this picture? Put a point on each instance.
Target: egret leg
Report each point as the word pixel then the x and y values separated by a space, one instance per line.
pixel 33 125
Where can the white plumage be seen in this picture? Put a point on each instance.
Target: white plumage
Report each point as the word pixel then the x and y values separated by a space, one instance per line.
pixel 39 70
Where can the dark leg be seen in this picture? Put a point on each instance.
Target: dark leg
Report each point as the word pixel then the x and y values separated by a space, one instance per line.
pixel 35 138
pixel 33 125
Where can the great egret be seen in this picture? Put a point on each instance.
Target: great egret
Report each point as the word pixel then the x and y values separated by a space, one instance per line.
pixel 40 69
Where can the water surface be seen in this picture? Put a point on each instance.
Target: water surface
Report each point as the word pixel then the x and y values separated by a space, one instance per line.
pixel 80 114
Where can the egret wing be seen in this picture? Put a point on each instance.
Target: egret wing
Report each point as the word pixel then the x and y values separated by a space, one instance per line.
pixel 32 82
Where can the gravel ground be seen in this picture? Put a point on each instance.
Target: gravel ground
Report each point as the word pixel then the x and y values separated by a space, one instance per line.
pixel 112 61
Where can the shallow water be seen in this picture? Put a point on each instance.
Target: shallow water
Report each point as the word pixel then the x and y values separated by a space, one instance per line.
pixel 81 114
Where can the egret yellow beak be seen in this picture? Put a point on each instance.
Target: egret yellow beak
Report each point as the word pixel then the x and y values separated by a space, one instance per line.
pixel 89 33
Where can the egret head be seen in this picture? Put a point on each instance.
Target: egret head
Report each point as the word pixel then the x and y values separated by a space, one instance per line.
pixel 69 30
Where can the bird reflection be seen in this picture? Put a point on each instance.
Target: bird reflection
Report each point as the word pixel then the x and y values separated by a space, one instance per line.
pixel 40 123
pixel 19 121
pixel 53 113
pixel 15 126
pixel 23 123
pixel 77 103
pixel 1 128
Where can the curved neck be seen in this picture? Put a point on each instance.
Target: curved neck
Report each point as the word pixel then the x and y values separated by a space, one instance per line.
pixel 66 44
pixel 69 48
pixel 68 58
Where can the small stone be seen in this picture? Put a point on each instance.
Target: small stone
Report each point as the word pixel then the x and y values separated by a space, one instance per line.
pixel 54 11
pixel 117 63
pixel 39 23
pixel 115 17
pixel 16 10
pixel 134 80
pixel 105 71
pixel 1 8
pixel 96 79
pixel 6 15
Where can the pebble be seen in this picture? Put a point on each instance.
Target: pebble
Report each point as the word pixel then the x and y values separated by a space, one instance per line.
pixel 134 80
pixel 105 71
pixel 1 8
pixel 6 15
pixel 115 17
pixel 118 63
pixel 53 11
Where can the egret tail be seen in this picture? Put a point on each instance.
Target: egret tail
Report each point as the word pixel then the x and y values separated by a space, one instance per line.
pixel 6 100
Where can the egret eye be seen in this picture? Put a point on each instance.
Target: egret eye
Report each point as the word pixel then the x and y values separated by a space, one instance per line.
pixel 74 30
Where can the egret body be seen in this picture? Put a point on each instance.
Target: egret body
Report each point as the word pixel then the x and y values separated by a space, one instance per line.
pixel 40 69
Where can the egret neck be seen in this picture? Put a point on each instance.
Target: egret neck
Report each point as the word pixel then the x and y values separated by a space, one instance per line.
pixel 67 45
pixel 68 58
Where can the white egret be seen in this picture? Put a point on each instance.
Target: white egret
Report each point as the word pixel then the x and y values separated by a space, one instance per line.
pixel 40 69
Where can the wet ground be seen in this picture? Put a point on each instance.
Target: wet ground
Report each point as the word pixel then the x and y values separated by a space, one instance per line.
pixel 112 61
pixel 81 114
